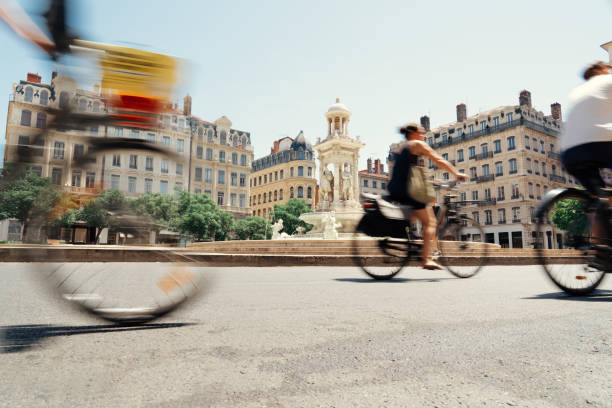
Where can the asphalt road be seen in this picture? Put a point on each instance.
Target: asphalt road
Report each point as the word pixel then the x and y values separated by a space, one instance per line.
pixel 317 337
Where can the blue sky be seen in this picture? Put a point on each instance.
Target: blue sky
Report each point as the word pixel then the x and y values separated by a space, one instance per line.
pixel 274 67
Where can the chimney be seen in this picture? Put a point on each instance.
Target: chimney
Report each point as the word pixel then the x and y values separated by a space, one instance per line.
pixel 53 75
pixel 525 98
pixel 425 122
pixel 376 166
pixel 187 105
pixel 461 112
pixel 275 147
pixel 555 110
pixel 369 166
pixel 382 168
pixel 34 78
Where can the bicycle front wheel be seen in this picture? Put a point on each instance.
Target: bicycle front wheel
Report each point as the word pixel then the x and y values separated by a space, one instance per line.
pixel 575 266
pixel 464 252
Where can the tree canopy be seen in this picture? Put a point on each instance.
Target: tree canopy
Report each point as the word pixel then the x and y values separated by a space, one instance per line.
pixel 570 215
pixel 290 213
pixel 253 228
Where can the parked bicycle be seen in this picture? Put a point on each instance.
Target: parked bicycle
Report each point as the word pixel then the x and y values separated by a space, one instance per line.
pixel 385 240
pixel 587 222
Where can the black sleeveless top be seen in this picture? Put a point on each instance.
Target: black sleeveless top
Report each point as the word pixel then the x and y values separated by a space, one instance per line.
pixel 401 170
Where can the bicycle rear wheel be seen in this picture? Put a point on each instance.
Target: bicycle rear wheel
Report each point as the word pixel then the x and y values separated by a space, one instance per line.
pixel 579 268
pixel 463 251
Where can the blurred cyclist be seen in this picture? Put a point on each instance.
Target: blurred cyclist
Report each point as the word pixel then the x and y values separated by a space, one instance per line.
pixel 406 156
pixel 586 143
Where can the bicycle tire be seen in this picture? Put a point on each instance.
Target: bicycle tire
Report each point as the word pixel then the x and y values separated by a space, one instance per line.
pixel 462 258
pixel 582 276
pixel 380 258
pixel 124 293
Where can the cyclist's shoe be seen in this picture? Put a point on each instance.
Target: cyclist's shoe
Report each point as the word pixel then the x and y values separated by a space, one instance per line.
pixel 436 254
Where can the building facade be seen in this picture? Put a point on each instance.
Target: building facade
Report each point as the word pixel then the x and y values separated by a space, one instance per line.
pixel 287 172
pixel 222 171
pixel 373 180
pixel 511 156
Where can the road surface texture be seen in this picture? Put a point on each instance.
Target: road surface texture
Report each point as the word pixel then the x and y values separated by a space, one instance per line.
pixel 317 337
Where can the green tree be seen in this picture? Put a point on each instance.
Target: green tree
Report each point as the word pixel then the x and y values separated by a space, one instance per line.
pixel 25 197
pixel 161 208
pixel 198 215
pixel 570 215
pixel 290 213
pixel 253 228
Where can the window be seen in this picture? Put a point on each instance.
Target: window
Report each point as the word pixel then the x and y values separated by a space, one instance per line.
pixel 58 150
pixel 78 151
pixel 209 154
pixel 445 176
pixel 538 195
pixel 116 160
pixel 178 187
pixel 365 182
pixel 163 186
pixel 44 97
pixel 209 135
pixel 483 126
pixel 487 194
pixel 56 176
pixel 515 191
pixel 511 143
pixel 460 155
pixel 513 167
pixel 233 199
pixel 134 134
pixel 383 186
pixel 516 214
pixel 500 193
pixel 509 117
pixel 282 174
pixel 497 146
pixel 374 184
pixel 220 198
pixel 300 192
pixel 488 217
pixel 291 172
pixel 76 178
pixel 460 133
pixel 242 200
pixel 310 172
pixel 501 216
pixel 445 156
pixel 291 192
pixel 463 196
pixel 280 194
pixel 199 152
pixel 82 105
pixel 221 156
pixel 181 124
pixel 530 189
pixel 149 163
pixel 115 181
pixel 475 195
pixel 198 174
pixel 90 179
pixel 28 94
pixel 180 145
pixel 243 160
pixel 208 175
pixel 133 161
pixel 300 171
pixel 496 123
pixel 309 192
pixel 265 178
pixel 476 216
pixel 242 180
pixel 148 187
pixel 528 165
pixel 471 129
pixel 96 107
pixel 535 144
pixel 118 132
pixel 472 152
pixel 527 143
pixel 41 120
pixel 536 167
pixel 542 147
pixel 221 177
pixel 485 170
pixel 64 100
pixel 235 159
pixel 131 184
pixel 544 169
pixel 223 137
pixel 26 117
pixel 166 141
pixel 473 173
pixel 499 169
pixel 234 179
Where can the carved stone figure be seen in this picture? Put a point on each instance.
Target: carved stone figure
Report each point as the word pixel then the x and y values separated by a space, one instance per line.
pixel 347 191
pixel 300 230
pixel 330 225
pixel 326 190
pixel 276 227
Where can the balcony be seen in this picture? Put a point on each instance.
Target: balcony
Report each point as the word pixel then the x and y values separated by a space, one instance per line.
pixel 514 196
pixel 482 179
pixel 499 174
pixel 554 155
pixel 516 220
pixel 558 179
pixel 501 198
pixel 513 172
pixel 488 222
pixel 501 221
pixel 486 202
pixel 482 156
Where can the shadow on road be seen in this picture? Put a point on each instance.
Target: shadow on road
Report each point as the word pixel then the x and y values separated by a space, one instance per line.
pixel 393 280
pixel 596 296
pixel 15 339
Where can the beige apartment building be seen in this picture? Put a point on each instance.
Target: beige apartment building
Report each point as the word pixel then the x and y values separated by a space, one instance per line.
pixel 374 179
pixel 511 155
pixel 133 172
pixel 287 172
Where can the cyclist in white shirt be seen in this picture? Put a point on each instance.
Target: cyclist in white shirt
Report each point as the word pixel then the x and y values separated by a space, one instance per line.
pixel 586 143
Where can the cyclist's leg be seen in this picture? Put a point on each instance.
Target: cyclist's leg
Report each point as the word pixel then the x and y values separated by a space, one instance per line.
pixel 428 220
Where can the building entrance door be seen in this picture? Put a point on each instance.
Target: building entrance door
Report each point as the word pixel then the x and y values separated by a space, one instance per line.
pixel 549 239
pixel 559 241
pixel 504 240
pixel 517 239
